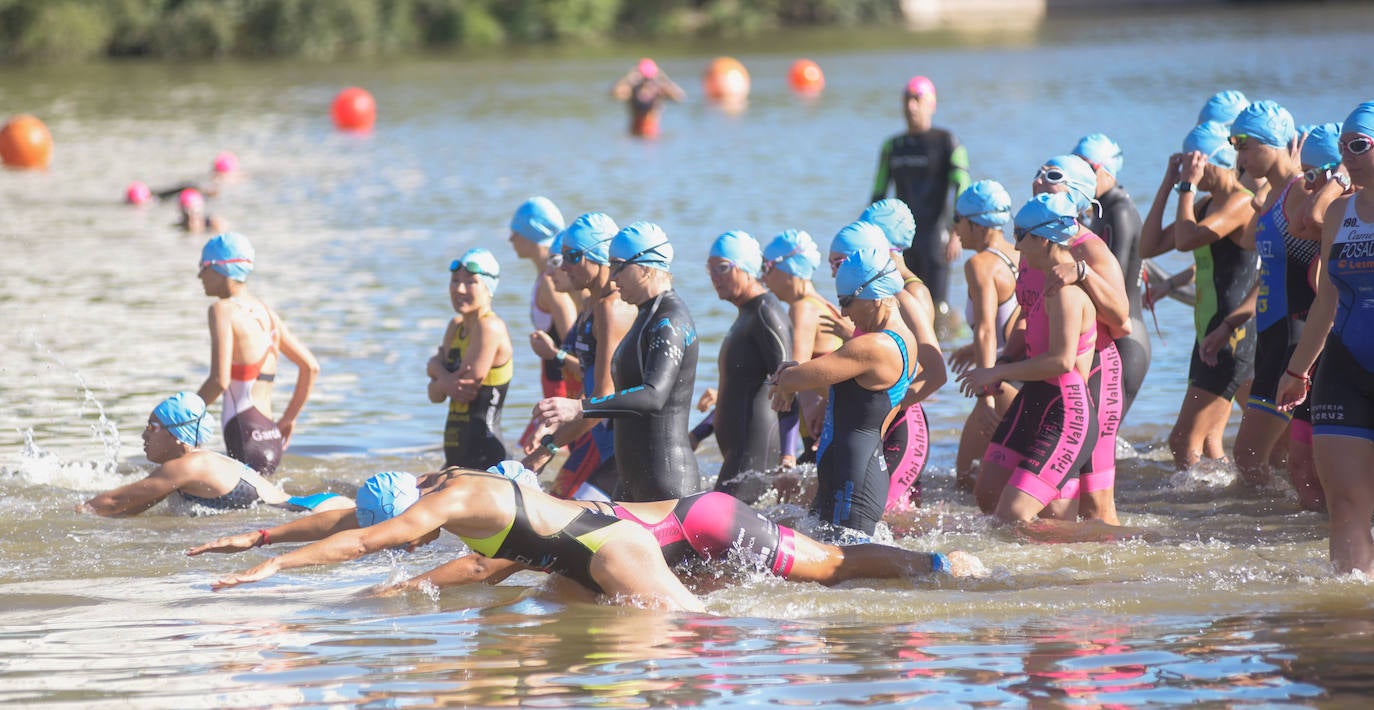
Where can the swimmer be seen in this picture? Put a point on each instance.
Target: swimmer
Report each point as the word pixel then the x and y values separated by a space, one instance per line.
pixel 247 341
pixel 1211 228
pixel 1323 176
pixel 1118 224
pixel 979 216
pixel 177 430
pixel 923 165
pixel 472 369
pixel 1263 136
pixel 589 472
pixel 655 371
pixel 1340 328
pixel 789 261
pixel 644 89
pixel 867 377
pixel 601 554
pixel 758 341
pixel 1048 432
pixel 194 219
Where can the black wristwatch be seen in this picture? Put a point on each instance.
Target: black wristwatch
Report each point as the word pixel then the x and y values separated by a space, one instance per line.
pixel 547 443
pixel 1184 186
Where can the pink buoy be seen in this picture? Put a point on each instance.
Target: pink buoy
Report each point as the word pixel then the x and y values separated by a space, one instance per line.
pixel 137 193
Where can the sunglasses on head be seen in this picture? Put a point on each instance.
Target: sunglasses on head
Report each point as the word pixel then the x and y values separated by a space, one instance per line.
pixel 1358 145
pixel 1053 176
pixel 846 300
pixel 471 267
pixel 1312 174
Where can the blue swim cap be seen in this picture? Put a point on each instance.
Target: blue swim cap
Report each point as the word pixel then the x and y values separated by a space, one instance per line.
pixel 516 471
pixel 591 235
pixel 1079 177
pixel 538 220
pixel 1052 215
pixel 1266 122
pixel 480 263
pixel 868 274
pixel 1213 140
pixel 793 252
pixel 183 415
pixel 1322 146
pixel 895 219
pixel 1099 150
pixel 230 254
pixel 1361 120
pixel 1223 107
pixel 859 235
pixel 385 496
pixel 556 246
pixel 643 243
pixel 985 203
pixel 740 249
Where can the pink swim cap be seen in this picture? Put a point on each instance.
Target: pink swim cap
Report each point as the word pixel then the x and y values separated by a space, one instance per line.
pixel 191 199
pixel 226 162
pixel 137 193
pixel 647 68
pixel 920 85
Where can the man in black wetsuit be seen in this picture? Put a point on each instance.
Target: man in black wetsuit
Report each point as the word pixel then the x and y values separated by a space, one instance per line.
pixel 758 342
pixel 925 165
pixel 654 371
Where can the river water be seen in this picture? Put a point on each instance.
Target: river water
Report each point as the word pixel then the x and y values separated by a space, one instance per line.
pixel 1225 599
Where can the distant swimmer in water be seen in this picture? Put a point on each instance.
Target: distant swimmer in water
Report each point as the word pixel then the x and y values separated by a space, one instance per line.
pixel 644 89
pixel 247 341
pixel 177 430
pixel 194 219
pixel 599 554
pixel 473 367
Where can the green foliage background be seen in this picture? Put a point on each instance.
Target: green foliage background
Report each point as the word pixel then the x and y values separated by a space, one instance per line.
pixel 43 31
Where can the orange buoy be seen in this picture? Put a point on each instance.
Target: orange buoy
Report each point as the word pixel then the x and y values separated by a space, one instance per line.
pixel 354 110
pixel 725 79
pixel 806 77
pixel 25 143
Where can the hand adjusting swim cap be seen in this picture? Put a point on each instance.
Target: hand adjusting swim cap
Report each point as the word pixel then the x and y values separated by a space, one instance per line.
pixel 538 220
pixel 1322 147
pixel 859 235
pixel 794 252
pixel 867 274
pixel 1078 177
pixel 1050 215
pixel 1223 107
pixel 480 263
pixel 984 203
pixel 643 243
pixel 230 254
pixel 740 249
pixel 183 415
pixel 1213 140
pixel 1100 151
pixel 589 237
pixel 895 219
pixel 385 496
pixel 1266 122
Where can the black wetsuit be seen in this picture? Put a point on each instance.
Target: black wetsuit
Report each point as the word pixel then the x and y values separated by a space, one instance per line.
pixel 758 341
pixel 655 368
pixel 1119 226
pixel 922 169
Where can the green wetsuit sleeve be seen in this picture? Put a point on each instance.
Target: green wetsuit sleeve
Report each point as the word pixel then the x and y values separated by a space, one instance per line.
pixel 884 177
pixel 958 170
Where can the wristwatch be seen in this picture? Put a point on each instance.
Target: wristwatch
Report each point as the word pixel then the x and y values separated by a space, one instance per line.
pixel 560 356
pixel 547 443
pixel 1184 186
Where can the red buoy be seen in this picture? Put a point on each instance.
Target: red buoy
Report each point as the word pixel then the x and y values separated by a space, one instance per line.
pixel 725 79
pixel 354 110
pixel 806 77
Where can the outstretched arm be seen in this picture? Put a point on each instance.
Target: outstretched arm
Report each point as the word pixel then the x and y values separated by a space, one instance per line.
pixel 308 529
pixel 131 499
pixel 468 569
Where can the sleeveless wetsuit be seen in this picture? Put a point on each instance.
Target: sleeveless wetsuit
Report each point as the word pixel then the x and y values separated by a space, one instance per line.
pixel 1119 227
pixel 710 525
pixel 1005 310
pixel 567 552
pixel 852 479
pixel 746 426
pixel 1285 294
pixel 923 169
pixel 645 97
pixel 655 367
pixel 1343 390
pixel 590 471
pixel 1225 274
pixel 1106 389
pixel 250 435
pixel 245 495
pixel 472 434
pixel 797 438
pixel 1047 433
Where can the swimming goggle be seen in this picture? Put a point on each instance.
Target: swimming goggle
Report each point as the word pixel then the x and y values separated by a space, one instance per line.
pixel 1239 141
pixel 1053 176
pixel 156 424
pixel 1021 232
pixel 971 215
pixel 218 262
pixel 1098 166
pixel 471 267
pixel 846 300
pixel 770 264
pixel 1312 174
pixel 575 256
pixel 722 267
pixel 618 265
pixel 1358 145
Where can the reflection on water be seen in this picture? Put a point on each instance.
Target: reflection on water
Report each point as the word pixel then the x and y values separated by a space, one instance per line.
pixel 1210 595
